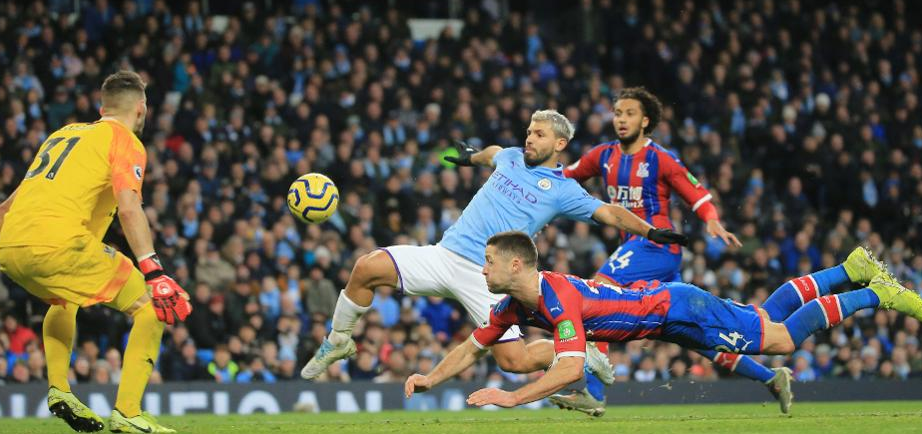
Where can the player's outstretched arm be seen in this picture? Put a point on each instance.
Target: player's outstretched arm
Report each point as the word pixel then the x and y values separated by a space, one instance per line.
pixel 622 218
pixel 566 371
pixel 698 199
pixel 457 360
pixel 470 156
pixel 485 157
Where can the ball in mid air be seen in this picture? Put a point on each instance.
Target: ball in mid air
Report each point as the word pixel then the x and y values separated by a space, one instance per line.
pixel 313 198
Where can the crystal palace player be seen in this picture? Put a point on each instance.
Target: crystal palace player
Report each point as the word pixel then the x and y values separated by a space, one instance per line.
pixel 577 310
pixel 641 175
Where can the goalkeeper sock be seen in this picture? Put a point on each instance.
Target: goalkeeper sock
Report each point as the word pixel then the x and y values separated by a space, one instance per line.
pixel 140 357
pixel 345 316
pixel 828 311
pixel 739 364
pixel 797 292
pixel 58 331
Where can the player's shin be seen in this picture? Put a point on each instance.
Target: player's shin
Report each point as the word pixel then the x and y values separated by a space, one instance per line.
pixel 140 357
pixel 594 386
pixel 345 317
pixel 598 370
pixel 797 292
pixel 826 312
pixel 739 364
pixel 58 331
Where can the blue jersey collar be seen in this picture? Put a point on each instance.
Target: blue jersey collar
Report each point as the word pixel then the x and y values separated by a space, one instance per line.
pixel 557 171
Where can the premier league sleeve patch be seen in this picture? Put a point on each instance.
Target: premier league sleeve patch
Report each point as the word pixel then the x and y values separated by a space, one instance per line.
pixel 565 330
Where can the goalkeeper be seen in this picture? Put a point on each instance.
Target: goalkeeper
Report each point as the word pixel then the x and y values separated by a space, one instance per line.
pixel 51 231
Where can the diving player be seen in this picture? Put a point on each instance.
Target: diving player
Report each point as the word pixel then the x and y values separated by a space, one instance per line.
pixel 576 310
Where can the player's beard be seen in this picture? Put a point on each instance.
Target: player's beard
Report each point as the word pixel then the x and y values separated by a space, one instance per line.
pixel 538 158
pixel 630 138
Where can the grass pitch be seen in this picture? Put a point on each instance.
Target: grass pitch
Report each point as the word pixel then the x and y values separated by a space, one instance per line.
pixel 877 417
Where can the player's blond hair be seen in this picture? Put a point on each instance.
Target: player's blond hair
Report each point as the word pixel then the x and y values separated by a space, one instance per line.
pixel 121 90
pixel 560 125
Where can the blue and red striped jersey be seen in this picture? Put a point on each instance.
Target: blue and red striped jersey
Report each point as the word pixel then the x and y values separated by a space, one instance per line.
pixel 576 310
pixel 644 181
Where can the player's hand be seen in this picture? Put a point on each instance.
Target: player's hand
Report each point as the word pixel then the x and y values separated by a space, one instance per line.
pixel 465 152
pixel 715 229
pixel 416 383
pixel 493 396
pixel 666 236
pixel 169 299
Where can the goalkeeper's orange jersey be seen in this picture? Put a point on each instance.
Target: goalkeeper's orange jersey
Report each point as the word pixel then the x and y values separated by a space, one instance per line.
pixel 70 187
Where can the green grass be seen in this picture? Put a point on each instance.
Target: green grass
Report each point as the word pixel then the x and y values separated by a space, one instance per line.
pixel 827 418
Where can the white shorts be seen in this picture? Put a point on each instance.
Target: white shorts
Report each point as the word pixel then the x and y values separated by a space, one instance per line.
pixel 437 271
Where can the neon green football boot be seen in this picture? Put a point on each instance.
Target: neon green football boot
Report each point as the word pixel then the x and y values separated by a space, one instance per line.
pixel 66 406
pixel 861 265
pixel 142 423
pixel 895 296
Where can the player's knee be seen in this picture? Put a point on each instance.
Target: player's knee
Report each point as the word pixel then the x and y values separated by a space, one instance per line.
pixel 364 268
pixel 145 316
pixel 790 348
pixel 778 341
pixel 780 348
pixel 374 269
pixel 786 347
pixel 508 363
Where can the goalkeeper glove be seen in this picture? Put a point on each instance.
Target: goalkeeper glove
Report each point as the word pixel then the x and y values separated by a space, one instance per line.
pixel 167 296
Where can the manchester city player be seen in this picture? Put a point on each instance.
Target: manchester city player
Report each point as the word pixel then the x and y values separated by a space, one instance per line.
pixel 526 191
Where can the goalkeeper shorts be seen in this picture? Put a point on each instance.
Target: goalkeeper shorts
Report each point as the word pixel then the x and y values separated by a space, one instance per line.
pixel 84 271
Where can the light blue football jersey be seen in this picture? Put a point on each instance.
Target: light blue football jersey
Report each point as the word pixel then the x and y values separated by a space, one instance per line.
pixel 516 198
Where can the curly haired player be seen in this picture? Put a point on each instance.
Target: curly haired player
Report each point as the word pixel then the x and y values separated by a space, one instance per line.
pixel 641 176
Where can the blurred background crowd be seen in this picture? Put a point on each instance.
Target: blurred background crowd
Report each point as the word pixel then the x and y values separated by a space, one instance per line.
pixel 802 118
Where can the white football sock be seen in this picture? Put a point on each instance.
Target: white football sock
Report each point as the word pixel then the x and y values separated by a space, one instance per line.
pixel 345 316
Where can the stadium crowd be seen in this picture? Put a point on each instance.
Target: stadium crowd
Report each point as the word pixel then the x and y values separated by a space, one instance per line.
pixel 802 119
